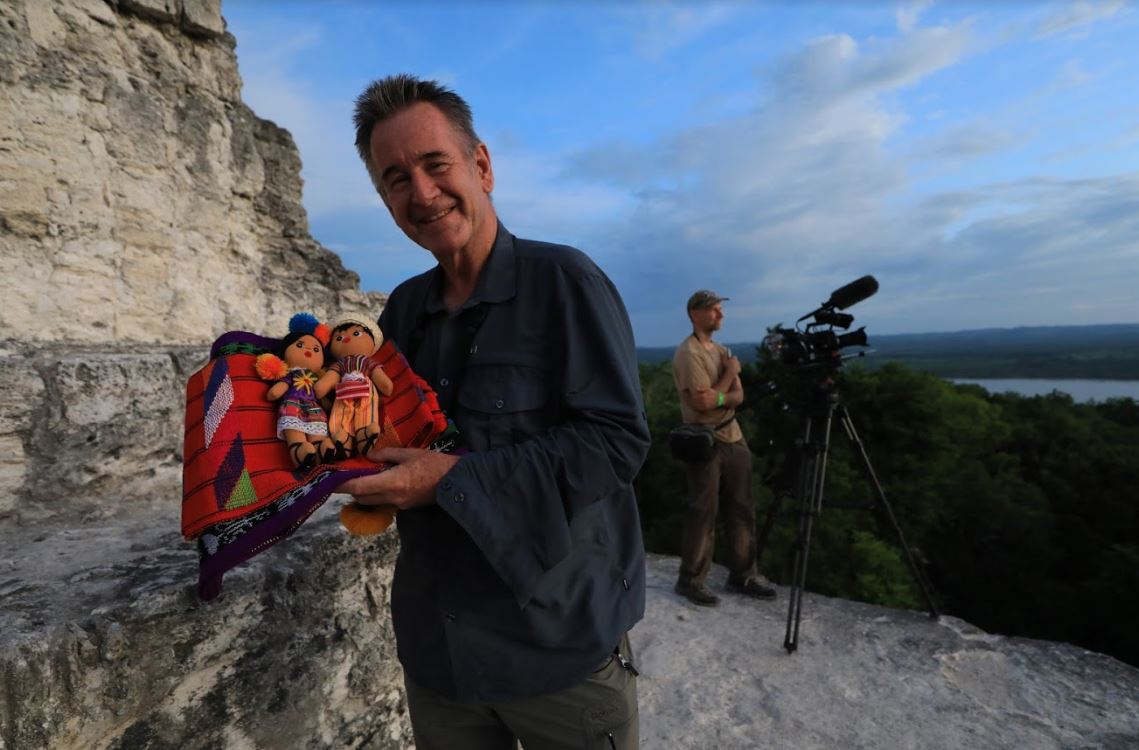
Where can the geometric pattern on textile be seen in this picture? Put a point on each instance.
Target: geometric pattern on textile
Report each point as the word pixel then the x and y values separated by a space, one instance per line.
pixel 225 532
pixel 243 493
pixel 218 398
pixel 230 472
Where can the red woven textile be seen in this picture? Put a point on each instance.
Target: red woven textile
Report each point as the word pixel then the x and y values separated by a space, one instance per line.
pixel 233 462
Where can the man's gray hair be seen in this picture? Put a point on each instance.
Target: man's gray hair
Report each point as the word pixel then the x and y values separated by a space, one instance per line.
pixel 387 96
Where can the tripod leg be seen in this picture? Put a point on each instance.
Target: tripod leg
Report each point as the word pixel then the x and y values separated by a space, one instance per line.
pixel 809 483
pixel 851 433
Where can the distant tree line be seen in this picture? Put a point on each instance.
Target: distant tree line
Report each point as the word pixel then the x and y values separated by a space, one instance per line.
pixel 1106 352
pixel 1024 511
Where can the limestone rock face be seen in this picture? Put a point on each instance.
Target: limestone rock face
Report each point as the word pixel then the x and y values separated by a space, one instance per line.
pixel 92 432
pixel 144 209
pixel 141 201
pixel 103 643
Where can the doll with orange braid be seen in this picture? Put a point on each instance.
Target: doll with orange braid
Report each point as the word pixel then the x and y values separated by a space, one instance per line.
pixel 354 419
pixel 294 372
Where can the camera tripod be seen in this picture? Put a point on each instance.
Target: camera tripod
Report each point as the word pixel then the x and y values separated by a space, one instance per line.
pixel 810 474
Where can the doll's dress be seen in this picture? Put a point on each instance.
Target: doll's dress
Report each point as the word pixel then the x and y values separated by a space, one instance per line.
pixel 299 408
pixel 357 402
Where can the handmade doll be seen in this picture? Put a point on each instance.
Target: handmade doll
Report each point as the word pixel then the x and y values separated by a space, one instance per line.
pixel 294 371
pixel 354 418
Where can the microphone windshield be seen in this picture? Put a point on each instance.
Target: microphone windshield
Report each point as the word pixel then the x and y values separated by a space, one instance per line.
pixel 853 293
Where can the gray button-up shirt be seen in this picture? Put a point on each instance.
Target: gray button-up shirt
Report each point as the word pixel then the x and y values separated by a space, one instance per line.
pixel 530 566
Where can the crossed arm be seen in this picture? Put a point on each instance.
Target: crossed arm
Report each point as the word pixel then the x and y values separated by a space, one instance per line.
pixel 705 399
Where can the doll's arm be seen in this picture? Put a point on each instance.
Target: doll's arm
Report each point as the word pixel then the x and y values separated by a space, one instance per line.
pixel 326 383
pixel 383 383
pixel 276 391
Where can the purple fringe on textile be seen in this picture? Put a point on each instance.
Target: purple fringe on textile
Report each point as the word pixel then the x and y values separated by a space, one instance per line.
pixel 226 545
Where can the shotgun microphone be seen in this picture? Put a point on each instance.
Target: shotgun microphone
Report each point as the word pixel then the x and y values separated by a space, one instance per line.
pixel 852 293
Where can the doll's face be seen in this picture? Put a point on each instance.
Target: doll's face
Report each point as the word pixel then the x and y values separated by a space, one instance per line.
pixel 352 340
pixel 305 352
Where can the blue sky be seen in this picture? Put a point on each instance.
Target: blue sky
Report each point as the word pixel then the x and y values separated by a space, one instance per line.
pixel 980 160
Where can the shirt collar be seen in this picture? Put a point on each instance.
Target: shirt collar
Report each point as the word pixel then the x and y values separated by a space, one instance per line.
pixel 496 281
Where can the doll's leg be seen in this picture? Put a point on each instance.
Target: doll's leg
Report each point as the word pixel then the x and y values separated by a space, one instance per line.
pixel 339 444
pixel 303 453
pixel 367 423
pixel 366 438
pixel 334 448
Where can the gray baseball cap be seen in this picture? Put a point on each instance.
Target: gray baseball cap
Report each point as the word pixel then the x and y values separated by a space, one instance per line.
pixel 704 298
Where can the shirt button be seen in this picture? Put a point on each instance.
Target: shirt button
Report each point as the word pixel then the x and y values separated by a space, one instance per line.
pixel 447 484
pixel 499 403
pixel 451 616
pixel 444 382
pixel 459 497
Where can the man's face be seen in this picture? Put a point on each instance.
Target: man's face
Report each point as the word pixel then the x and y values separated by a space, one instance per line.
pixel 438 193
pixel 708 318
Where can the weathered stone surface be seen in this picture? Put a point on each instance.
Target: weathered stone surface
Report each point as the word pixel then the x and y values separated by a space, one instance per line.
pixel 864 677
pixel 99 429
pixel 103 643
pixel 140 199
pixel 143 209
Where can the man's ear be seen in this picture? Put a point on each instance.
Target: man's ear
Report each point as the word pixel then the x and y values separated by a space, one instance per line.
pixel 485 170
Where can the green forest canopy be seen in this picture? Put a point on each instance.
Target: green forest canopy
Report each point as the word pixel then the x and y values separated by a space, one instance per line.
pixel 1023 509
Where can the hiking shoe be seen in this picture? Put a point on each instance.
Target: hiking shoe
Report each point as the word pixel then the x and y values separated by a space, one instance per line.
pixel 697 593
pixel 753 586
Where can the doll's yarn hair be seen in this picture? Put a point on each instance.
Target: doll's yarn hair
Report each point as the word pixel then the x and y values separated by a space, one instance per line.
pixel 347 323
pixel 306 324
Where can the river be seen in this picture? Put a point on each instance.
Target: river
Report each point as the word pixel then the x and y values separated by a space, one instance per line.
pixel 1079 390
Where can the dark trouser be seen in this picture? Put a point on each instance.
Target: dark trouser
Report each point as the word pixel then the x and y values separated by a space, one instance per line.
pixel 728 474
pixel 599 712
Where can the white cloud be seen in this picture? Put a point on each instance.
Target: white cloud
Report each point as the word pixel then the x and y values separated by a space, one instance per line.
pixel 781 206
pixel 803 189
pixel 1077 17
pixel 962 142
pixel 789 197
pixel 908 14
pixel 668 26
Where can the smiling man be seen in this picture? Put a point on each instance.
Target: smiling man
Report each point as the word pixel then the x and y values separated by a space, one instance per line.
pixel 521 564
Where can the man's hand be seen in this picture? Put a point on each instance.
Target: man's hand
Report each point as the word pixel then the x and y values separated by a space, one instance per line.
pixel 732 365
pixel 409 484
pixel 704 399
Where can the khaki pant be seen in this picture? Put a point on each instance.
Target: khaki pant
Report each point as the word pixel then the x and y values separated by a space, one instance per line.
pixel 600 712
pixel 727 475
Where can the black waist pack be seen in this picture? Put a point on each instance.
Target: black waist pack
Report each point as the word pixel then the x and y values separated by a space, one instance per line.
pixel 694 443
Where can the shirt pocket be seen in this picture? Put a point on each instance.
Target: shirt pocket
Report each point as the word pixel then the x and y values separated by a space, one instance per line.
pixel 505 404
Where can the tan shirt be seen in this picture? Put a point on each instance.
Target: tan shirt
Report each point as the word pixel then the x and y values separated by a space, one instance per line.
pixel 694 367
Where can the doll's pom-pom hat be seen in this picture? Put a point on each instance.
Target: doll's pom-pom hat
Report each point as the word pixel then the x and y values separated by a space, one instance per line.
pixel 307 323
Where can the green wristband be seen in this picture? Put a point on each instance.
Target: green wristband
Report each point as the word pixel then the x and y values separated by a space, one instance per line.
pixel 719 398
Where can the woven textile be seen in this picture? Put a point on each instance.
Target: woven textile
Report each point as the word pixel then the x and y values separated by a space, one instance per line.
pixel 240 491
pixel 356 388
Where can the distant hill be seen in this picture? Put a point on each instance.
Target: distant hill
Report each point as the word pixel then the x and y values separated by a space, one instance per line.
pixel 1107 352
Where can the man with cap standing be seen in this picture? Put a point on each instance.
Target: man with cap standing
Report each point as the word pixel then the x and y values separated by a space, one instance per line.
pixel 707 379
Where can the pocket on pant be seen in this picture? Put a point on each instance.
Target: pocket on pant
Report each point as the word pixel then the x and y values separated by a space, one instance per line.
pixel 610 720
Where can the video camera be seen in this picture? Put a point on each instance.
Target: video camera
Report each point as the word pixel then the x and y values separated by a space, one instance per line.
pixel 818 344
